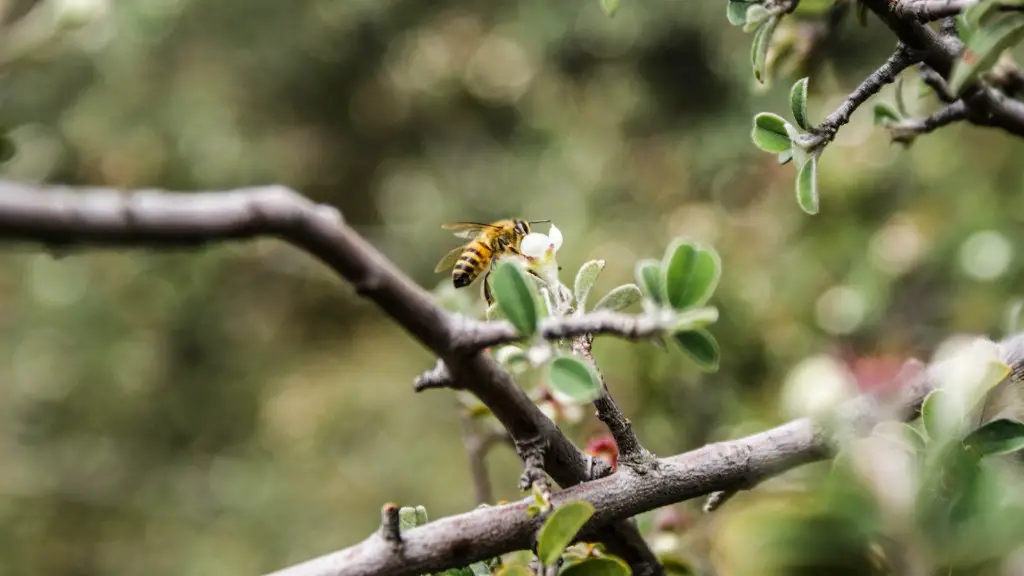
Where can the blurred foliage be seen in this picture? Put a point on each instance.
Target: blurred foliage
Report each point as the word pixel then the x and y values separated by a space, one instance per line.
pixel 236 409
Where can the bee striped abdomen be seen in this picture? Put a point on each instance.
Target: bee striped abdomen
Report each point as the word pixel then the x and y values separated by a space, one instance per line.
pixel 473 260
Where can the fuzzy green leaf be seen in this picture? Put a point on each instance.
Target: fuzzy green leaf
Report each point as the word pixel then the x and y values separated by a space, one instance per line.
pixel 515 295
pixel 585 279
pixel 603 566
pixel 573 378
pixel 1001 436
pixel 619 298
pixel 798 103
pixel 807 186
pixel 560 528
pixel 514 570
pixel 785 157
pixel 934 412
pixel 737 12
pixel 885 114
pixel 701 347
pixel 690 274
pixel 769 133
pixel 978 14
pixel 762 41
pixel 756 15
pixel 610 7
pixel 983 50
pixel 648 276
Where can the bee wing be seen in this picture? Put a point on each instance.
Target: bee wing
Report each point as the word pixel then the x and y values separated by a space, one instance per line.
pixel 467 230
pixel 449 259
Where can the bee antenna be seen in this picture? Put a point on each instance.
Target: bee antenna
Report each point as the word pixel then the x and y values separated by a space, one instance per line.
pixel 539 221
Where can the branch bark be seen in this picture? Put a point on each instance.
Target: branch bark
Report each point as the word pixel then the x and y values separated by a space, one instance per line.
pixel 64 217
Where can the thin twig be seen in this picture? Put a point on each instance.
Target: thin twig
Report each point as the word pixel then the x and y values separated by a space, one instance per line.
pixel 937 83
pixel 902 58
pixel 931 10
pixel 66 217
pixel 910 128
pixel 477 447
pixel 390 529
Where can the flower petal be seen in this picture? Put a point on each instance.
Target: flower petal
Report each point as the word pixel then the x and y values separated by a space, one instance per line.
pixel 534 244
pixel 556 237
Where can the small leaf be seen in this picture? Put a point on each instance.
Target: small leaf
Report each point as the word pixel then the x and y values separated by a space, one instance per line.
pixel 407 518
pixel 934 411
pixel 807 186
pixel 421 515
pixel 901 433
pixel 798 102
pixel 1001 436
pixel 737 12
pixel 901 105
pixel 610 7
pixel 560 528
pixel 648 276
pixel 885 114
pixel 769 133
pixel 979 13
pixel 983 49
pixel 514 570
pixel 585 279
pixel 571 377
pixel 690 274
pixel 515 296
pixel 480 569
pixel 619 298
pixel 785 157
pixel 602 566
pixel 756 15
pixel 701 347
pixel 762 40
pixel 696 318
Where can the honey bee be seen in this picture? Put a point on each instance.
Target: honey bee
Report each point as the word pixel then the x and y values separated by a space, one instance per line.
pixel 487 243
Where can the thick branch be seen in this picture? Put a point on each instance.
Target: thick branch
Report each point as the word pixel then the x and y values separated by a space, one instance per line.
pixel 723 466
pixel 986 106
pixel 901 59
pixel 931 10
pixel 65 217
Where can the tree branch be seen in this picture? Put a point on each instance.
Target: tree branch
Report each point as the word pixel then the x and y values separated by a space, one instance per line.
pixel 64 217
pixel 724 466
pixel 908 129
pixel 901 59
pixel 986 106
pixel 931 10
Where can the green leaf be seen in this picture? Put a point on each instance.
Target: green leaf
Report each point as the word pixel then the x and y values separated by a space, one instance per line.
pixel 885 114
pixel 1001 436
pixel 515 295
pixel 514 570
pixel 701 347
pixel 690 274
pixel 610 7
pixel 785 157
pixel 573 378
pixel 585 279
pixel 934 412
pixel 603 566
pixel 983 50
pixel 978 14
pixel 696 318
pixel 901 433
pixel 409 517
pixel 798 102
pixel 480 569
pixel 464 571
pixel 421 515
pixel 737 12
pixel 769 133
pixel 807 186
pixel 759 53
pixel 755 16
pixel 901 104
pixel 619 298
pixel 648 276
pixel 560 528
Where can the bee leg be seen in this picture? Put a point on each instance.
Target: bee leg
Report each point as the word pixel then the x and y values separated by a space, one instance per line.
pixel 487 288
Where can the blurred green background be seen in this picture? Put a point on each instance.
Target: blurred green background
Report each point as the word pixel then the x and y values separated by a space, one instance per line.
pixel 236 409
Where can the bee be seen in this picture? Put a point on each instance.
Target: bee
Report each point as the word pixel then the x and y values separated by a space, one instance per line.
pixel 486 243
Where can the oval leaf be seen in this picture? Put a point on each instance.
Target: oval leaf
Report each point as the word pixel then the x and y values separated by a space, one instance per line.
pixel 690 274
pixel 769 133
pixel 885 114
pixel 798 102
pixel 560 528
pixel 514 570
pixel 1001 436
pixel 701 347
pixel 983 49
pixel 585 279
pixel 603 566
pixel 648 276
pixel 574 379
pixel 515 296
pixel 762 40
pixel 807 186
pixel 619 298
pixel 756 15
pixel 737 12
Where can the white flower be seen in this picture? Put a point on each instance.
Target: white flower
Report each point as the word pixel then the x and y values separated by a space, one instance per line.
pixel 541 248
pixel 967 368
